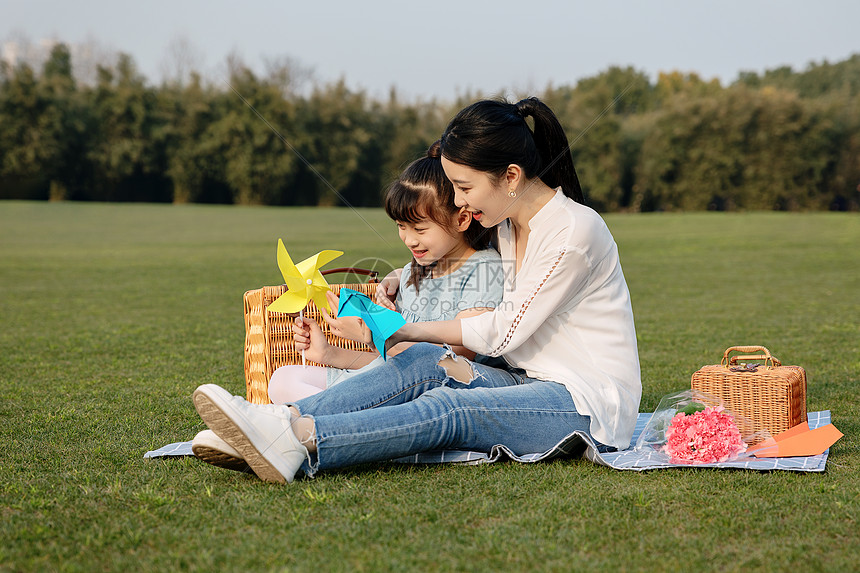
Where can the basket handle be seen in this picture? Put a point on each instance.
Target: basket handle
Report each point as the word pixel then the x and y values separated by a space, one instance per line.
pixel 373 275
pixel 769 360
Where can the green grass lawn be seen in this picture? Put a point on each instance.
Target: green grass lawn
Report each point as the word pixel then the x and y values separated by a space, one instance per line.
pixel 113 314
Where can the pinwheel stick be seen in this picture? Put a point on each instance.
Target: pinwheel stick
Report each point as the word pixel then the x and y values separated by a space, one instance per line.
pixel 302 316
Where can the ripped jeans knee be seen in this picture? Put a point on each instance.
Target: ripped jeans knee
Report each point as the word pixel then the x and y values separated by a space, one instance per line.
pixel 457 367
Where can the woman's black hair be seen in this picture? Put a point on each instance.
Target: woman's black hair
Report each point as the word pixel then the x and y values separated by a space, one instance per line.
pixel 490 135
pixel 424 192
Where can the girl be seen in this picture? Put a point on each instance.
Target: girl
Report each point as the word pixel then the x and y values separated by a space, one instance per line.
pixel 452 274
pixel 564 329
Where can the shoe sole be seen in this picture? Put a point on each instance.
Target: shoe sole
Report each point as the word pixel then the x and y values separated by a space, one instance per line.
pixel 220 459
pixel 228 428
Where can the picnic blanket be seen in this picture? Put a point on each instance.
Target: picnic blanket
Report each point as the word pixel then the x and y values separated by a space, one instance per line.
pixel 579 444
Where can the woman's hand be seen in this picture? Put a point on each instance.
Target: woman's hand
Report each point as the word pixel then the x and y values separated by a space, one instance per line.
pixel 386 291
pixel 349 327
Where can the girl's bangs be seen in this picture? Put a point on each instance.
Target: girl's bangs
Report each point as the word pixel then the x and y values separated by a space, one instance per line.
pixel 406 203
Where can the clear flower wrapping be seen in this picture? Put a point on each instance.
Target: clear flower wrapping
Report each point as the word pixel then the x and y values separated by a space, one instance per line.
pixel 693 427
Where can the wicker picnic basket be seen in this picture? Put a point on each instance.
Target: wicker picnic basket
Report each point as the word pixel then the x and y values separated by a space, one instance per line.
pixel 771 395
pixel 269 336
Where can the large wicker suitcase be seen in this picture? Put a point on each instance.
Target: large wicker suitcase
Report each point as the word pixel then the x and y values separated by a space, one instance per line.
pixel 757 387
pixel 269 336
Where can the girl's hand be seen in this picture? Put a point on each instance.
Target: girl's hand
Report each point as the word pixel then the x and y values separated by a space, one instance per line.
pixel 349 327
pixel 386 291
pixel 308 337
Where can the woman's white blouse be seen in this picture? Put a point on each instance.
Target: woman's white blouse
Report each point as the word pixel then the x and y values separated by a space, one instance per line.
pixel 566 316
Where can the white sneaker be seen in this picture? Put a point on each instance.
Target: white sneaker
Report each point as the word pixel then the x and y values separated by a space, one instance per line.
pixel 211 449
pixel 261 434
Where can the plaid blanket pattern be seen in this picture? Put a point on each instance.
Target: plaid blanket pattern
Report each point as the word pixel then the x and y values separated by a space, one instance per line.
pixel 580 445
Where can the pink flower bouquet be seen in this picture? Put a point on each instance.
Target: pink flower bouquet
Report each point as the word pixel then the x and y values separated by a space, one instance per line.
pixel 705 437
pixel 693 427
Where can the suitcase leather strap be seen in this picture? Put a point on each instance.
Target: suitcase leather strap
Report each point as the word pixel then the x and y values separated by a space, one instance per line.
pixel 769 360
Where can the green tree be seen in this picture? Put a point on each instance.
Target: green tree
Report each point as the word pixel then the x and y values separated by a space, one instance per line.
pixel 843 174
pixel 742 148
pixel 252 134
pixel 336 124
pixel 819 79
pixel 63 123
pixel 593 133
pixel 195 164
pixel 128 162
pixel 675 84
pixel 19 112
pixel 43 124
pixel 620 91
pixel 410 128
pixel 594 114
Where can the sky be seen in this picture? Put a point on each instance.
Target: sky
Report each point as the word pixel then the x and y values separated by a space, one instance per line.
pixel 445 49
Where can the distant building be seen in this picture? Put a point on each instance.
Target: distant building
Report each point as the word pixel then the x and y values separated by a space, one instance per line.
pixel 10 53
pixel 23 51
pixel 86 57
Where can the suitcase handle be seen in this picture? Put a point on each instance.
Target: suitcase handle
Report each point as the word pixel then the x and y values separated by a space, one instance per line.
pixel 769 361
pixel 373 276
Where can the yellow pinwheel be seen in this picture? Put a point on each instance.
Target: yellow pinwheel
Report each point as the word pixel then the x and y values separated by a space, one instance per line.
pixel 304 281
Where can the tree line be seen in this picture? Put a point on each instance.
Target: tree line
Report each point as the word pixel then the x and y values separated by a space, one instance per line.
pixel 781 140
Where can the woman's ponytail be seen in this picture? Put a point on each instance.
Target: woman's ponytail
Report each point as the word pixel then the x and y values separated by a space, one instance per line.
pixel 557 168
pixel 435 150
pixel 490 135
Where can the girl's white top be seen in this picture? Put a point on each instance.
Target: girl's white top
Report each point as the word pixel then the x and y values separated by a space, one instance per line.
pixel 566 316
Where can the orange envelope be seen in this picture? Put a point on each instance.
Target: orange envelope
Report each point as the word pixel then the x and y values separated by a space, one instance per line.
pixel 798 441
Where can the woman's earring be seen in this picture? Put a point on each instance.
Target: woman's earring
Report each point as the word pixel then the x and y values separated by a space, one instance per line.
pixel 512 193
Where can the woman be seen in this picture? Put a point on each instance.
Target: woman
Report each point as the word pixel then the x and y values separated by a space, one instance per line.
pixel 564 329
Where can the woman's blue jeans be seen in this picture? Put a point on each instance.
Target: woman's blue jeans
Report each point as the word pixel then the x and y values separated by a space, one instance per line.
pixel 411 405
